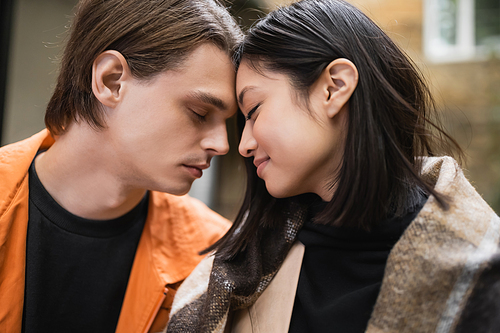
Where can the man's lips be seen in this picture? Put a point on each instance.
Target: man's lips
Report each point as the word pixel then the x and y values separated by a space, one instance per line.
pixel 198 166
pixel 196 169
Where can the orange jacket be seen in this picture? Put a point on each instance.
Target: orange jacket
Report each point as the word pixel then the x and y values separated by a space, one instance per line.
pixel 176 229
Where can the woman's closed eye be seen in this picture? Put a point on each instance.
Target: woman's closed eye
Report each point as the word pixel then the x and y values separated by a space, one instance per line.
pixel 251 112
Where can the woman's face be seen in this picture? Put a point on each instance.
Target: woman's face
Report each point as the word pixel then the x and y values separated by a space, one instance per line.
pixel 295 150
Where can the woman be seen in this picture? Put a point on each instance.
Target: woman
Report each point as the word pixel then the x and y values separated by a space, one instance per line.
pixel 350 222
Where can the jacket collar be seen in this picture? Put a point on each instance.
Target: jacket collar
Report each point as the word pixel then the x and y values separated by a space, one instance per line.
pixel 15 160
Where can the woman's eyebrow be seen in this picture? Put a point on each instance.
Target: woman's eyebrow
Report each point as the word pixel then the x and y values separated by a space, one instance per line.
pixel 243 92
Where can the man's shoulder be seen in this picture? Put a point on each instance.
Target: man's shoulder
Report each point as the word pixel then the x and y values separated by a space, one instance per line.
pixel 17 157
pixel 181 226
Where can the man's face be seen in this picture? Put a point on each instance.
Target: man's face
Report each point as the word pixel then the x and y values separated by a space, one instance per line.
pixel 167 129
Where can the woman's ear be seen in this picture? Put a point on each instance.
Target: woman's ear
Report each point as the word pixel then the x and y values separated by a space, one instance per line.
pixel 337 84
pixel 109 71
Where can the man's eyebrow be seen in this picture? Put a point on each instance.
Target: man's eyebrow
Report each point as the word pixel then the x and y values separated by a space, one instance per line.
pixel 242 93
pixel 209 99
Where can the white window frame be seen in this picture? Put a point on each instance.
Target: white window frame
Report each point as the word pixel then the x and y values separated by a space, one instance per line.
pixel 465 49
pixel 435 49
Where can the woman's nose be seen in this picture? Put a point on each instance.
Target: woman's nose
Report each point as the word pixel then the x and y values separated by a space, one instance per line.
pixel 247 143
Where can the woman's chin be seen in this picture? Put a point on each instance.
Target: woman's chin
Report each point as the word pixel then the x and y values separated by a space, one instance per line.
pixel 279 192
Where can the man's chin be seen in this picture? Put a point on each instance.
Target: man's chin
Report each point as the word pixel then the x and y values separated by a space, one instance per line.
pixel 178 191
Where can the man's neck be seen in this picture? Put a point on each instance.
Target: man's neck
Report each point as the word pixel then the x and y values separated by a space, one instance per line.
pixel 78 171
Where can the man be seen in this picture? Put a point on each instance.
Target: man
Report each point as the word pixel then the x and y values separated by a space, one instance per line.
pixel 94 233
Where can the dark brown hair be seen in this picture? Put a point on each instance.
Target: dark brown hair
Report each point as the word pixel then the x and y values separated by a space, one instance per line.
pixel 391 121
pixel 152 35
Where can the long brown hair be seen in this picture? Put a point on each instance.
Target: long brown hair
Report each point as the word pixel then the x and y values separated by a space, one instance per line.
pixel 152 35
pixel 391 121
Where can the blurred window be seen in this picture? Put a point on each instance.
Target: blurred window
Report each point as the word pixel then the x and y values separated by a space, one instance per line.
pixel 460 30
pixel 487 17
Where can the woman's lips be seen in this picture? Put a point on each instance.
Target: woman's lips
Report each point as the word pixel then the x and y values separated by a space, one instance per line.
pixel 261 164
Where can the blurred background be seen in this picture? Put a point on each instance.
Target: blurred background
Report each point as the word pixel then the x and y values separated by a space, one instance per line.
pixel 456 43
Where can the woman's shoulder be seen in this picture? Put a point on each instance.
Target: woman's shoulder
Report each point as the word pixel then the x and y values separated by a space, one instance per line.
pixel 467 210
pixel 431 271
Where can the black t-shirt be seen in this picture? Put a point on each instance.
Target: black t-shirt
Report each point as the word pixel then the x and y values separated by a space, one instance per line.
pixel 76 269
pixel 341 274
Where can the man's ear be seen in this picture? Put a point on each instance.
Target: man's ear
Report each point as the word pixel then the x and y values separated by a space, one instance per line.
pixel 337 83
pixel 109 71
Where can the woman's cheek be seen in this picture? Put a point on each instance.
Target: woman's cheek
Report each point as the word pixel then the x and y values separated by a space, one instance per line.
pixel 264 136
pixel 256 131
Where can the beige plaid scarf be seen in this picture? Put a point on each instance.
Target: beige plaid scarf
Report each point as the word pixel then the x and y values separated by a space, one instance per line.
pixel 442 275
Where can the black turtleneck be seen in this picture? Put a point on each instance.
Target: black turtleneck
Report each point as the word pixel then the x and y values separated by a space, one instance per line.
pixel 341 274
